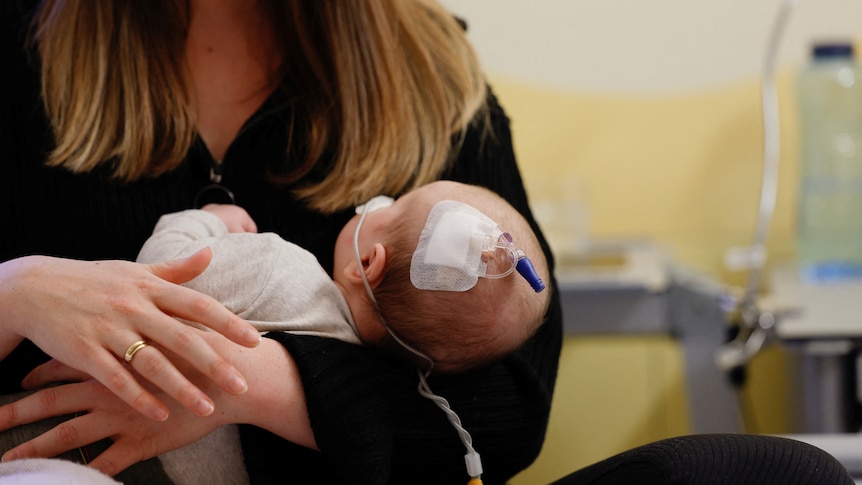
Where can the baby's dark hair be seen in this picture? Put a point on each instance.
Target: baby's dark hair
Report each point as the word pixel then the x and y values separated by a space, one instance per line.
pixel 460 330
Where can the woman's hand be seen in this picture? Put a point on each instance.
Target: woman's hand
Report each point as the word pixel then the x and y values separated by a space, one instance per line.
pixel 88 313
pixel 100 414
pixel 275 401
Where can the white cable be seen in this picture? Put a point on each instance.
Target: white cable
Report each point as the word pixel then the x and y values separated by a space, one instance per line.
pixel 748 343
pixel 471 459
pixel 474 464
pixel 771 152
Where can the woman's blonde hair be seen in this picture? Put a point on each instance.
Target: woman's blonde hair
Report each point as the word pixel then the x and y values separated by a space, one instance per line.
pixel 380 86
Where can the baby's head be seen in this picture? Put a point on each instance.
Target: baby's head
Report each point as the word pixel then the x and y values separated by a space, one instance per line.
pixel 456 329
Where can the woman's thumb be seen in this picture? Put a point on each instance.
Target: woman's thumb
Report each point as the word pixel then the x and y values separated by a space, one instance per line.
pixel 184 269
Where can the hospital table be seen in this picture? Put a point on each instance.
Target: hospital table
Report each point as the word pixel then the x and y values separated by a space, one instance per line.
pixel 632 288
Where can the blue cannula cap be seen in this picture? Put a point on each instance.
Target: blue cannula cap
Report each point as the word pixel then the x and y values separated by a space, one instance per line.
pixel 528 271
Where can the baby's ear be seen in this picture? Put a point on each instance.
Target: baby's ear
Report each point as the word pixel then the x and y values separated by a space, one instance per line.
pixel 376 265
pixel 373 263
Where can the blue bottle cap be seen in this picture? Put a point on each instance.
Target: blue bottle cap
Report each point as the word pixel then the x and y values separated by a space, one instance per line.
pixel 829 50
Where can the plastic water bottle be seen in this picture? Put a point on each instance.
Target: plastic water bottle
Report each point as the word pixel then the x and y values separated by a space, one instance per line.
pixel 829 222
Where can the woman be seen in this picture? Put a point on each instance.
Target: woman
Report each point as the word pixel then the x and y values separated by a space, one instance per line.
pixel 298 110
pixel 120 111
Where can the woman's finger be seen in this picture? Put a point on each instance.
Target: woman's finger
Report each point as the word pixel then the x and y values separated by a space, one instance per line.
pixel 152 364
pixel 196 307
pixel 159 331
pixel 50 402
pixel 134 437
pixel 183 269
pixel 75 433
pixel 187 342
pixel 52 372
pixel 106 369
pixel 117 458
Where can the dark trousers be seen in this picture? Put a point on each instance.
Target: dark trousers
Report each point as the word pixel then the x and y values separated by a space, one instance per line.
pixel 718 459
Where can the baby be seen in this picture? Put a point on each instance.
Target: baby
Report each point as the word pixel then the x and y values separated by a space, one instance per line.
pixel 417 275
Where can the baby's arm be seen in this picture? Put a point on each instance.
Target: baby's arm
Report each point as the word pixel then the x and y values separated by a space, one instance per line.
pixel 241 264
pixel 181 234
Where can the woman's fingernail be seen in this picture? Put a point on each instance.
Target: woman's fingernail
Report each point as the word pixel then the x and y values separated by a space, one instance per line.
pixel 237 384
pixel 204 407
pixel 160 414
pixel 10 455
pixel 251 336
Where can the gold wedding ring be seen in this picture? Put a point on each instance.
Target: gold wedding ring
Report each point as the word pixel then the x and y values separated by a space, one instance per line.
pixel 133 349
